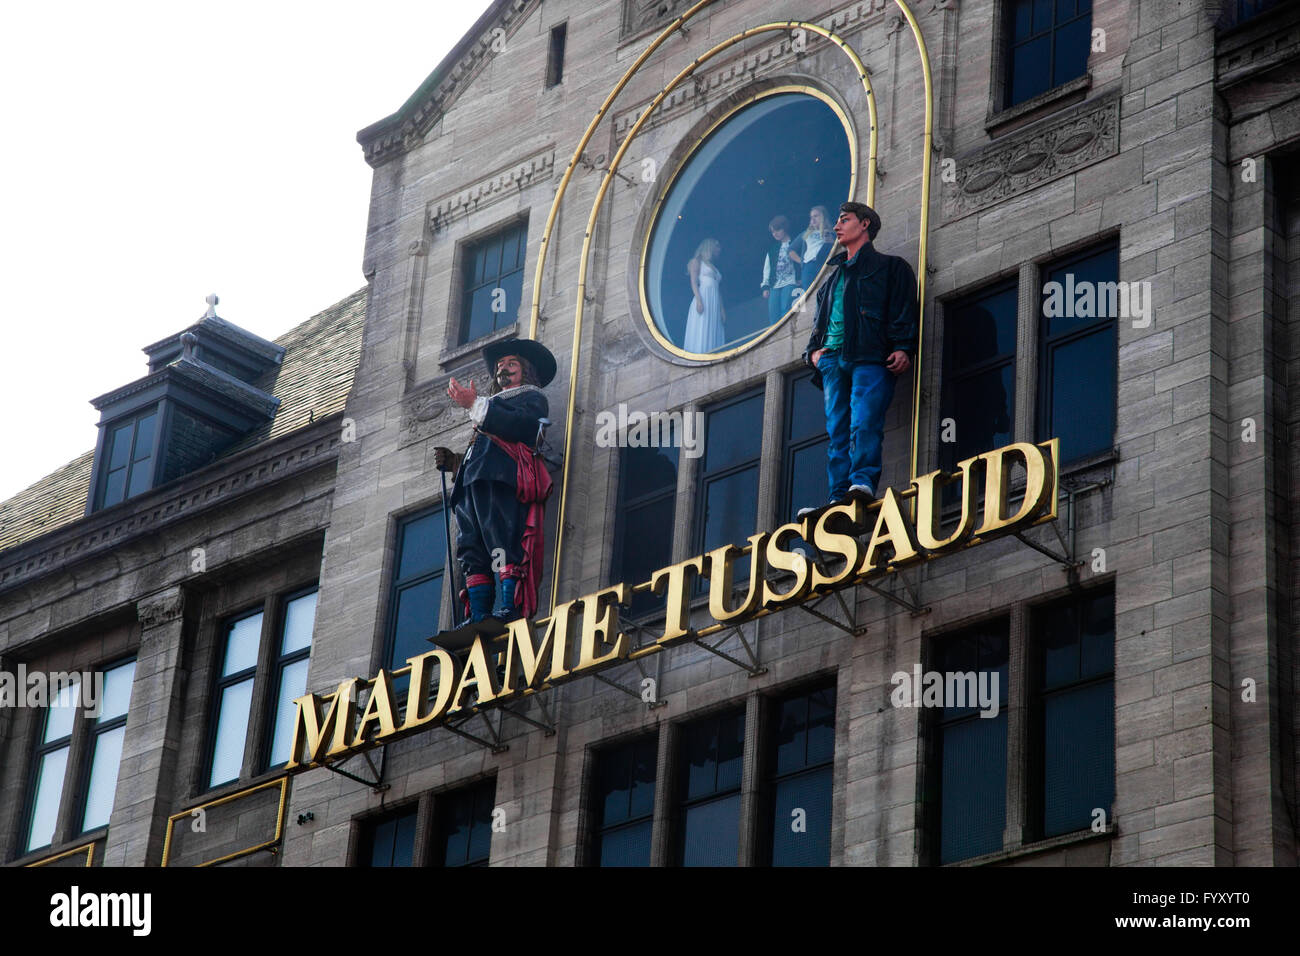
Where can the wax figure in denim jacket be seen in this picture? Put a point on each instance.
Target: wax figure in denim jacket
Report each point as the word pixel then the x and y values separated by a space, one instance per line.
pixel 863 338
pixel 501 486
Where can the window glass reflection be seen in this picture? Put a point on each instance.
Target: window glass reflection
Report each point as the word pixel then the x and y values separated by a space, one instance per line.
pixel 746 225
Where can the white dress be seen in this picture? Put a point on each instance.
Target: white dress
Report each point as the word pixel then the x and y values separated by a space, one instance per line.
pixel 704 329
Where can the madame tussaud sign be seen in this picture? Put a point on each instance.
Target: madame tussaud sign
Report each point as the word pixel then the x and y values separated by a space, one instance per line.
pixel 583 635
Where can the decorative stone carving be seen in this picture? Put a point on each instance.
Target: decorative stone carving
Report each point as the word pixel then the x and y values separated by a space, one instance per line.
pixel 1016 163
pixel 499 185
pixel 161 608
pixel 774 57
pixel 641 15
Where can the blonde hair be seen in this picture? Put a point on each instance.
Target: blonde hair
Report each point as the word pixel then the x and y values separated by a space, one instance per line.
pixel 827 234
pixel 705 252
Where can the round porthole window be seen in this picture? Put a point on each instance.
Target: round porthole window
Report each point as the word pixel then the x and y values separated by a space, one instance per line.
pixel 744 226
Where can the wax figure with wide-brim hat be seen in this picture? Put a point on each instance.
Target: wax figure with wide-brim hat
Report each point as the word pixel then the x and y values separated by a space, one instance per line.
pixel 501 481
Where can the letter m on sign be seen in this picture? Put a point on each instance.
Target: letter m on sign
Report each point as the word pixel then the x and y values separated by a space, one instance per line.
pixel 311 729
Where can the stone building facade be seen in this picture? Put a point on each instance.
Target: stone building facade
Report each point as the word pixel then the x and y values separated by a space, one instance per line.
pixel 1144 641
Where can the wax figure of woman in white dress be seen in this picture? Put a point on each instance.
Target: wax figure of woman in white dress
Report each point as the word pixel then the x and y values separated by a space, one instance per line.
pixel 811 246
pixel 704 319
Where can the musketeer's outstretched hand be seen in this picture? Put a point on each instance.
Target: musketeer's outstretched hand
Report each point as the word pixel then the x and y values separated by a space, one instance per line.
pixel 462 395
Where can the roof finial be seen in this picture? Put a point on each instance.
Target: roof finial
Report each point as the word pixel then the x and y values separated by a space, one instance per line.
pixel 212 301
pixel 188 341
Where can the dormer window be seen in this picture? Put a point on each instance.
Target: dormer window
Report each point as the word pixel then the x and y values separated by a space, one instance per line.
pixel 203 394
pixel 129 455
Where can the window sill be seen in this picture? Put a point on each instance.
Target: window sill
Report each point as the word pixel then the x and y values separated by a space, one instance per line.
pixel 1036 107
pixel 456 356
pixel 1041 846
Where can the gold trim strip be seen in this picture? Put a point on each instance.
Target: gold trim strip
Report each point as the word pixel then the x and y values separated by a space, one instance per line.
pixel 758 337
pixel 281 782
pixel 582 145
pixel 926 148
pixel 600 196
pixel 88 849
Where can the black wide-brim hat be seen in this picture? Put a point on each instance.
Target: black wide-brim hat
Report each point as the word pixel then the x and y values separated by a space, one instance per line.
pixel 538 355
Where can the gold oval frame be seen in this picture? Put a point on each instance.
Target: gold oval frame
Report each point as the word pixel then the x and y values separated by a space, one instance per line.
pixel 709 357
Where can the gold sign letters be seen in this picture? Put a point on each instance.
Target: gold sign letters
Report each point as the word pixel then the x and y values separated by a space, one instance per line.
pixel 854 542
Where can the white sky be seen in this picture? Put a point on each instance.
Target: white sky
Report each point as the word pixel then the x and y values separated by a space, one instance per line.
pixel 155 152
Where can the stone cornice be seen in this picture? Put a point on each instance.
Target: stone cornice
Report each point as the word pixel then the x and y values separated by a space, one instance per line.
pixel 398 133
pixel 1048 150
pixel 214 487
pixel 497 186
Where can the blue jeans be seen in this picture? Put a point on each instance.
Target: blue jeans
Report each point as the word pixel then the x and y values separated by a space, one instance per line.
pixel 779 302
pixel 857 396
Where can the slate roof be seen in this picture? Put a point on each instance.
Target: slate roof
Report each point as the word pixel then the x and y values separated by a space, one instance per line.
pixel 312 382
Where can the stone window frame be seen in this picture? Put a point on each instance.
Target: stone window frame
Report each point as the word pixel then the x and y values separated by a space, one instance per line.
pixel 767 778
pixel 428 807
pixel 704 478
pixel 455 346
pixel 1001 117
pixel 588 851
pixel 552 80
pixel 74 792
pixel 387 619
pixel 1018 836
pixel 1029 276
pixel 363 829
pixel 261 716
pixel 757 707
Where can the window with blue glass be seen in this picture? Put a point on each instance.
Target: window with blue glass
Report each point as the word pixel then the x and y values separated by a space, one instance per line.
pixel 415 595
pixel 624 803
pixel 493 270
pixel 289 672
pixel 803 448
pixel 1048 42
pixel 800 760
pixel 710 753
pixel 89 790
pixel 389 840
pixel 463 822
pixel 643 536
pixel 242 677
pixel 966 791
pixel 107 735
pixel 233 697
pixel 126 467
pixel 1078 352
pixel 49 767
pixel 978 400
pixel 1073 715
pixel 727 502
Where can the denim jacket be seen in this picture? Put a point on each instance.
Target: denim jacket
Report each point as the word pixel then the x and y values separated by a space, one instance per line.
pixel 880 309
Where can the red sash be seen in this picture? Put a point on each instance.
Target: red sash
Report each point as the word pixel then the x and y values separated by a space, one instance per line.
pixel 532 486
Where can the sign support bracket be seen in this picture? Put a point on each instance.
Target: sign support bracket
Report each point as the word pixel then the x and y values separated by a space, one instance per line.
pixel 495 745
pixel 754 668
pixel 377 784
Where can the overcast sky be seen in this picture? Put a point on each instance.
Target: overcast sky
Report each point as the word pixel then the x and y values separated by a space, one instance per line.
pixel 155 152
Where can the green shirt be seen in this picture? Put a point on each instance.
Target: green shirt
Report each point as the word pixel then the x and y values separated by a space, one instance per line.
pixel 835 325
